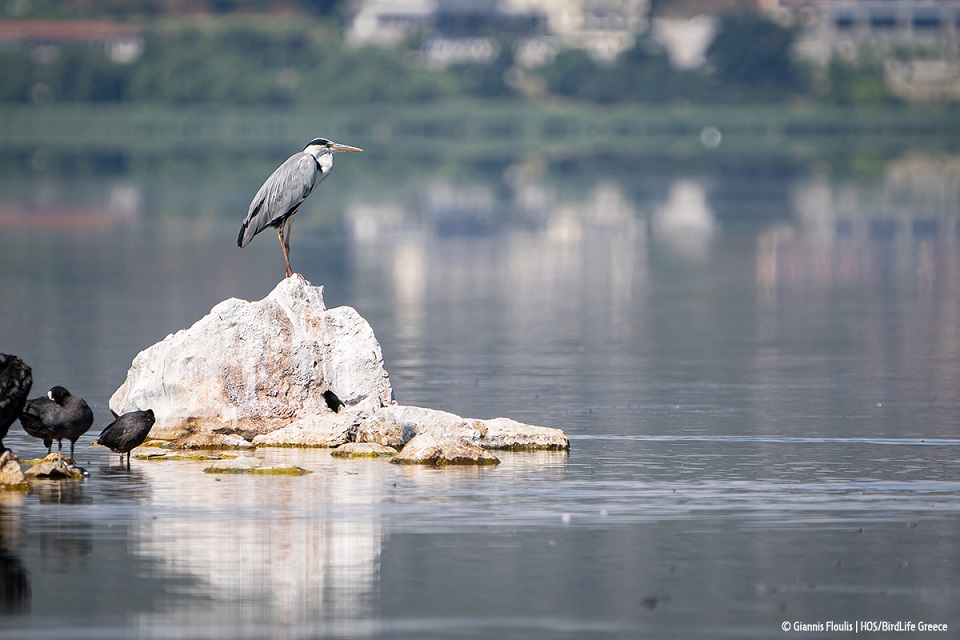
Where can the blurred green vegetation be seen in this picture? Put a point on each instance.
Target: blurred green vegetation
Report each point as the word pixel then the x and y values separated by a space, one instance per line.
pixel 464 128
pixel 245 55
pixel 241 74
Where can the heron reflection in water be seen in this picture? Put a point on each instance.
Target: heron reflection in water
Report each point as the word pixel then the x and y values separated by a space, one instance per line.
pixel 278 200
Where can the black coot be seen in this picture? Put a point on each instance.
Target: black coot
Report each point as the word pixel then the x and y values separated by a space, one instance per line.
pixel 16 378
pixel 126 432
pixel 60 415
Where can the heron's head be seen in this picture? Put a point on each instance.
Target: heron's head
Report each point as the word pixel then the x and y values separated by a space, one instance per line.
pixel 320 146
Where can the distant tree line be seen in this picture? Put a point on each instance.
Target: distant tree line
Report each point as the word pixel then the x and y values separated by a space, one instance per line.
pixel 277 62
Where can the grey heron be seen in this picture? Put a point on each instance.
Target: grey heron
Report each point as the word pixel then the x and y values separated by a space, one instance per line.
pixel 278 200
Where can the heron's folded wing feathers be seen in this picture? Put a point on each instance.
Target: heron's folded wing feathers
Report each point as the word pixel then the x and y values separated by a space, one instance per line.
pixel 282 193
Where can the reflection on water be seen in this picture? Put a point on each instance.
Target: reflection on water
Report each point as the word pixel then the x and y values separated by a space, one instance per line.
pixel 685 222
pixel 759 375
pixel 283 551
pixel 14 577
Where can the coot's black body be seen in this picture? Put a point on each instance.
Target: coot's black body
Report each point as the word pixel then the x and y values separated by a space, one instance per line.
pixel 127 432
pixel 59 416
pixel 16 378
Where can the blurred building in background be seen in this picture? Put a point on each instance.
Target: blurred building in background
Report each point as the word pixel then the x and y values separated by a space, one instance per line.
pixel 918 41
pixel 122 43
pixel 470 30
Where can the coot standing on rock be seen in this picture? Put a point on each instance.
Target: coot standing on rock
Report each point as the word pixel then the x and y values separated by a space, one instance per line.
pixel 16 378
pixel 126 433
pixel 60 415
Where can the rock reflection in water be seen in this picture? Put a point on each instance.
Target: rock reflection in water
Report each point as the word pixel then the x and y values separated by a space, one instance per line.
pixel 263 550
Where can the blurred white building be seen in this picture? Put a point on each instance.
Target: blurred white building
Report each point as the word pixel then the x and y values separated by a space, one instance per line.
pixel 541 28
pixel 917 40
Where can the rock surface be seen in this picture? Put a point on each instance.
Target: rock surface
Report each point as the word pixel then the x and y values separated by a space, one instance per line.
pixel 191 457
pixel 53 467
pixel 209 441
pixel 321 430
pixel 11 475
pixel 252 367
pixel 249 464
pixel 363 450
pixel 504 433
pixel 288 372
pixel 440 448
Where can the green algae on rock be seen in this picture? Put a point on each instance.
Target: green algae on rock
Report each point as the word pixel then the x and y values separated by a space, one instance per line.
pixel 160 455
pixel 363 450
pixel 249 464
pixel 267 470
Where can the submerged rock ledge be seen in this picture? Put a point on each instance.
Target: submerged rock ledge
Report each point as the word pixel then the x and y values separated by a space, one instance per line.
pixel 286 371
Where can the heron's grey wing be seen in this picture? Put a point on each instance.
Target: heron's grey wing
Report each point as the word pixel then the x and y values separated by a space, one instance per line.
pixel 280 195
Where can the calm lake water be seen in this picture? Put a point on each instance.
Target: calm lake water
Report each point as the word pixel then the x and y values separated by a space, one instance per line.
pixel 758 368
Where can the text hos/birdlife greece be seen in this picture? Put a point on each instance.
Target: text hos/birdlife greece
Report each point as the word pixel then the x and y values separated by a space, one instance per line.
pixel 864 626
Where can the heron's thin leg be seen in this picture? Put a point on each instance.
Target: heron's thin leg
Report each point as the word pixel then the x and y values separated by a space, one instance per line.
pixel 284 245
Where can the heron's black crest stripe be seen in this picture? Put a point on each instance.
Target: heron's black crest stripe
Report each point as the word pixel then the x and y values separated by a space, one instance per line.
pixel 323 142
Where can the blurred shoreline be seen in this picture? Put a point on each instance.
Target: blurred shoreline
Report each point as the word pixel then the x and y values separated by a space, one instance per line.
pixel 478 129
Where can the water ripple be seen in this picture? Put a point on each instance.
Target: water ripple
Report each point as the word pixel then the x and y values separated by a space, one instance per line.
pixel 772 439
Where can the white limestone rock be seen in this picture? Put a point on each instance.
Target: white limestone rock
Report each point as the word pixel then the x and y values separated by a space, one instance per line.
pixel 204 440
pixel 440 448
pixel 395 425
pixel 55 467
pixel 320 430
pixel 240 463
pixel 287 371
pixel 11 475
pixel 255 466
pixel 504 433
pixel 253 367
pixel 363 450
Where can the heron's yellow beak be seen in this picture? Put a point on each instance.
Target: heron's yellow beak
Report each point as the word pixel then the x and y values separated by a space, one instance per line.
pixel 336 146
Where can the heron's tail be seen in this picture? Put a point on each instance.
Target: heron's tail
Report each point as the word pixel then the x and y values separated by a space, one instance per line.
pixel 246 233
pixel 246 230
